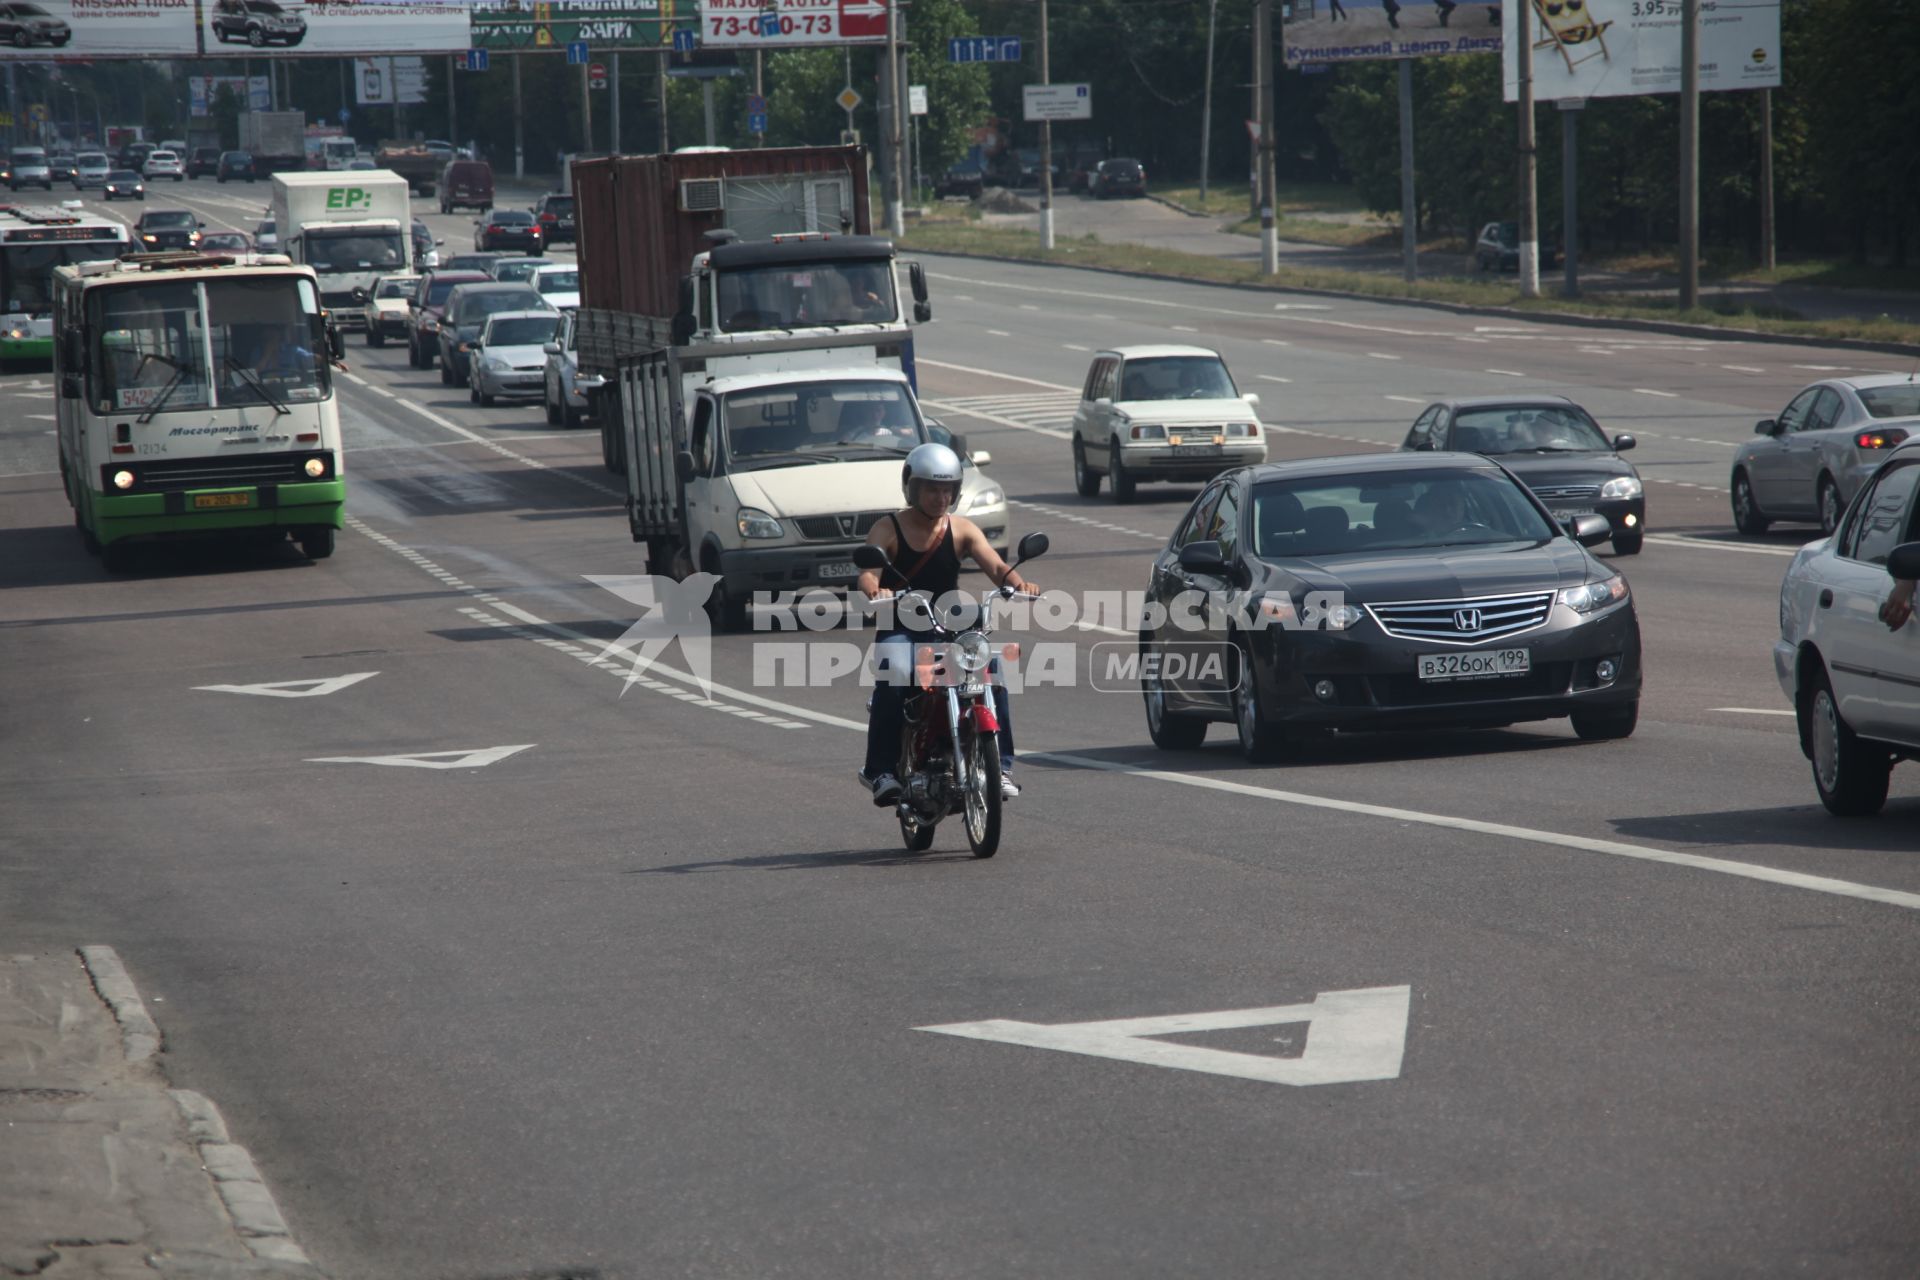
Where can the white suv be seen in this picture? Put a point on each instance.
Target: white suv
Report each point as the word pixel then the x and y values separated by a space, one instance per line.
pixel 163 164
pixel 1855 682
pixel 1161 413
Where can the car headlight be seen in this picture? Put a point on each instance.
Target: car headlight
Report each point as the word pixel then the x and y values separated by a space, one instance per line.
pixel 755 523
pixel 1242 430
pixel 1147 433
pixel 496 364
pixel 991 496
pixel 1593 596
pixel 1622 487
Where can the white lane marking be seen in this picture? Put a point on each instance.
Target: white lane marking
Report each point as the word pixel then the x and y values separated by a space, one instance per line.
pixel 1184 328
pixel 1407 399
pixel 1028 306
pixel 381 391
pixel 1276 342
pixel 532 463
pixel 1754 711
pixel 1823 368
pixel 999 333
pixel 470 759
pixel 1708 544
pixel 1075 518
pixel 1742 368
pixel 946 406
pixel 1351 1036
pixel 319 688
pixel 1649 391
pixel 1461 337
pixel 1074 346
pixel 1382 355
pixel 1588 844
pixel 354 378
pixel 1272 377
pixel 1507 373
pixel 995 373
pixel 1723 444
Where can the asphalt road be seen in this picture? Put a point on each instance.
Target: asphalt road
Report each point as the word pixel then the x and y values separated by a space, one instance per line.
pixel 648 993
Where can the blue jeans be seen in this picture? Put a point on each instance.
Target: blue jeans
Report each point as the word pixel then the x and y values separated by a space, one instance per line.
pixel 893 658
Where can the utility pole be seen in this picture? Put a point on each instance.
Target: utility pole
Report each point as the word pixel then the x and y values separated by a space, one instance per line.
pixel 1766 179
pixel 901 118
pixel 1046 142
pixel 1269 232
pixel 1570 109
pixel 453 117
pixel 1529 197
pixel 759 88
pixel 519 140
pixel 1409 214
pixel 614 146
pixel 1206 101
pixel 586 108
pixel 1689 154
pixel 890 122
pixel 663 148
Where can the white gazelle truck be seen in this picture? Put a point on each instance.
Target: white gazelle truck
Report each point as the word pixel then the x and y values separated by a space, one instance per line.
pixel 351 228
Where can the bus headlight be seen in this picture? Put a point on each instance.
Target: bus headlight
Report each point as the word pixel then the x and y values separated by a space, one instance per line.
pixel 123 479
pixel 315 467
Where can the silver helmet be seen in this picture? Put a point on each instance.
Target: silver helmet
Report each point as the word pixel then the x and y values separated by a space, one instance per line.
pixel 934 462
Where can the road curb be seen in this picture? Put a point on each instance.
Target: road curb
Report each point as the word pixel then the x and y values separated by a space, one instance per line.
pixel 139 1035
pixel 1673 328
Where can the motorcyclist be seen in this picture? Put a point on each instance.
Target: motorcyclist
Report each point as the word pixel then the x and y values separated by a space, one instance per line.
pixel 925 543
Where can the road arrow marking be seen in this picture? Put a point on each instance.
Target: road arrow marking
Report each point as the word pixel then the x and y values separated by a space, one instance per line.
pixel 1354 1035
pixel 478 759
pixel 293 688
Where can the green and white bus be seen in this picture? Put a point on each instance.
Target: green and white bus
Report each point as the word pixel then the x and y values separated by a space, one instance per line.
pixel 34 239
pixel 196 397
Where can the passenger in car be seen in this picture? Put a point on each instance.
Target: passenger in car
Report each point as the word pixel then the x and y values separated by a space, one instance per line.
pixel 1326 529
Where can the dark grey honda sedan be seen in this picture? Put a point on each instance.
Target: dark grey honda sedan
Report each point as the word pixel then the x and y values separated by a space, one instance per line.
pixel 1404 591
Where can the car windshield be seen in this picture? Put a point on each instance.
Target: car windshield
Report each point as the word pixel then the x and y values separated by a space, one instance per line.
pixel 1902 401
pixel 515 272
pixel 771 425
pixel 437 291
pixel 792 295
pixel 509 217
pixel 123 175
pixel 264 229
pixel 91 159
pixel 521 331
pixel 1177 378
pixel 30 156
pixel 1546 429
pixel 560 206
pixel 1325 516
pixel 169 220
pixel 353 251
pixel 476 307
pixel 223 241
pixel 557 282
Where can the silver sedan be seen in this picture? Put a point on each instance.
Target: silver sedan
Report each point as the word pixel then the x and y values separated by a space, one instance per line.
pixel 1808 463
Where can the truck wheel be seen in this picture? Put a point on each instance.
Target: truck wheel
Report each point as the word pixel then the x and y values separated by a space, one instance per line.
pixel 570 416
pixel 317 541
pixel 546 402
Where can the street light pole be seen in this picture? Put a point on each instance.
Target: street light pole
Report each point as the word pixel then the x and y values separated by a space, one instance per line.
pixel 1269 232
pixel 1689 154
pixel 1529 198
pixel 1206 102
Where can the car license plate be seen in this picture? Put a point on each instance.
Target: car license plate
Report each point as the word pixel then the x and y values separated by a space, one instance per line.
pixel 1481 664
pixel 207 501
pixel 835 570
pixel 1568 513
pixel 1194 450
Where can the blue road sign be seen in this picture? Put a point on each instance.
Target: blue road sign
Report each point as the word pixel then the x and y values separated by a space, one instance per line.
pixel 983 49
pixel 683 41
pixel 476 59
pixel 577 54
pixel 769 24
pixel 756 104
pixel 344 113
pixel 756 122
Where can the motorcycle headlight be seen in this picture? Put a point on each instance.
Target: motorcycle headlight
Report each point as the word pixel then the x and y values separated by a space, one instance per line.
pixel 971 652
pixel 1593 596
pixel 1622 487
pixel 991 496
pixel 755 523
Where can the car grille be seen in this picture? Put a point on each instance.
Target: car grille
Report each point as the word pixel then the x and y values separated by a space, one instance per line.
pixel 217 473
pixel 1566 492
pixel 338 299
pixel 1466 621
pixel 849 524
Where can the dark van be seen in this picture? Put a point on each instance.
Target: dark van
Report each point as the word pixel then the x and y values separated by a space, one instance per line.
pixel 466 184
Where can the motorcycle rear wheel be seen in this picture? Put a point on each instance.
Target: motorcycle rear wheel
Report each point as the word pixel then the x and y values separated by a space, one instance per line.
pixel 983 794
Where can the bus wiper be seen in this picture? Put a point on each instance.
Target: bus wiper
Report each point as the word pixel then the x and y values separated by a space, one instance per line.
pixel 255 381
pixel 179 376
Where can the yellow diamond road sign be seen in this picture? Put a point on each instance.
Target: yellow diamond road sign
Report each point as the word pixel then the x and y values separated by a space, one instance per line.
pixel 848 99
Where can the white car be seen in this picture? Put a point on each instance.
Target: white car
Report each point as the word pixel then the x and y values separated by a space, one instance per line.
pixel 558 283
pixel 164 164
pixel 384 310
pixel 565 390
pixel 90 169
pixel 514 270
pixel 1854 682
pixel 265 238
pixel 510 357
pixel 1161 413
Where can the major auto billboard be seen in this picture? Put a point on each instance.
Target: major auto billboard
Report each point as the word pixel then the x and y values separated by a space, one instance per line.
pixel 788 24
pixel 1321 31
pixel 555 24
pixel 1619 48
pixel 40 29
pixel 351 27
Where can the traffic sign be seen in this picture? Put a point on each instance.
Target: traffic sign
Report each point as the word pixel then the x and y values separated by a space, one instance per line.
pixel 848 99
pixel 596 75
pixel 577 53
pixel 756 104
pixel 1057 101
pixel 916 99
pixel 683 41
pixel 983 49
pixel 756 122
pixel 476 59
pixel 344 113
pixel 37 112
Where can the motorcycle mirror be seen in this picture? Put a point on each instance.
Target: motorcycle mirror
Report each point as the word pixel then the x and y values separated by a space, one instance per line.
pixel 868 556
pixel 1031 547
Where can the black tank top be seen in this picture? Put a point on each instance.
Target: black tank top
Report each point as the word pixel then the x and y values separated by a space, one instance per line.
pixel 941 572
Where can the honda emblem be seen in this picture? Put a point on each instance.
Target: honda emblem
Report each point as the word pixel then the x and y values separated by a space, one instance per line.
pixel 1466 619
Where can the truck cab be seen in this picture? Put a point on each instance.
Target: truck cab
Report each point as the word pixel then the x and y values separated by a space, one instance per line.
pixel 797 285
pixel 351 228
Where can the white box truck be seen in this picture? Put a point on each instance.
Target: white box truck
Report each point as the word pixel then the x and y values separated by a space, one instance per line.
pixel 351 228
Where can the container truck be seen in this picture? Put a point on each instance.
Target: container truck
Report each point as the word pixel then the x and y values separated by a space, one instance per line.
pixel 277 140
pixel 351 228
pixel 419 166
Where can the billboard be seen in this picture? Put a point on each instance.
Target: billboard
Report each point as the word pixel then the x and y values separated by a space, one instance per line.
pixel 790 24
pixel 1316 32
pixel 269 27
pixel 101 29
pixel 554 24
pixel 386 82
pixel 1620 48
pixel 255 94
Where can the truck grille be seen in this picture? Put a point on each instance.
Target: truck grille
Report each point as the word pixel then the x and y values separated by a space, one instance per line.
pixel 840 528
pixel 221 473
pixel 1465 621
pixel 337 299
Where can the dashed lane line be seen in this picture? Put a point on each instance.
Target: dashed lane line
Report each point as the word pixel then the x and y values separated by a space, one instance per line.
pixel 534 463
pixel 1508 373
pixel 1649 391
pixel 1754 711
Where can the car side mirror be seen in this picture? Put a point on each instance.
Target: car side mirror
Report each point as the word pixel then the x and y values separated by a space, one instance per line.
pixel 336 343
pixel 551 348
pixel 1589 530
pixel 1104 402
pixel 1903 561
pixel 683 466
pixel 1252 398
pixel 917 281
pixel 922 312
pixel 74 353
pixel 1623 442
pixel 1203 557
pixel 200 226
pixel 69 386
pixel 980 457
pixel 359 294
pixel 682 328
pixel 439 242
pixel 1031 547
pixel 1766 427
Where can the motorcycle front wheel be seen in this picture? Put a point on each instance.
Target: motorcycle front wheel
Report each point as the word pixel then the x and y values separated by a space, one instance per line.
pixel 916 835
pixel 983 794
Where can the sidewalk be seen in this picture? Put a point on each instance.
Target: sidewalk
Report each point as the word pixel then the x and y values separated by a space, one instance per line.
pixel 105 1172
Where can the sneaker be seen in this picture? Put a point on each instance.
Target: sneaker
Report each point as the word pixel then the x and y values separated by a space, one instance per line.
pixel 886 788
pixel 1009 789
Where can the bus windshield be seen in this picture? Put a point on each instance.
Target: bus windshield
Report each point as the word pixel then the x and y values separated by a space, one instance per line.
pixel 354 251
pixel 164 345
pixel 26 270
